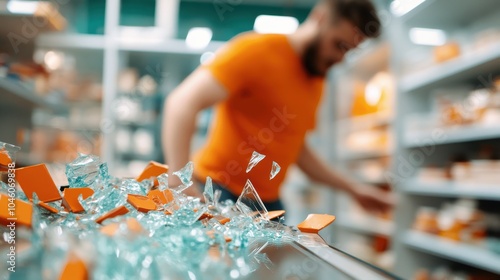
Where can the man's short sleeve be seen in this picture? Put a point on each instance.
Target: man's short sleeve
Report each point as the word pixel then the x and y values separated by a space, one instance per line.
pixel 235 64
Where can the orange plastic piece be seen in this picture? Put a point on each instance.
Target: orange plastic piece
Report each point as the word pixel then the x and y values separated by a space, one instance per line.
pixel 315 222
pixel 153 169
pixel 141 203
pixel 121 210
pixel 162 197
pixel 22 212
pixel 275 214
pixel 37 179
pixel 48 207
pixel 75 269
pixel 223 220
pixel 206 215
pixel 4 158
pixel 167 212
pixel 132 224
pixel 211 234
pixel 70 198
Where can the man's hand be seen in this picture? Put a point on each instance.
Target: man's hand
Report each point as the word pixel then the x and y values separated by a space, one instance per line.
pixel 373 199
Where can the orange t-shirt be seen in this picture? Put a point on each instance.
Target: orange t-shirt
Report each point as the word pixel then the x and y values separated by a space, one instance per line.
pixel 270 107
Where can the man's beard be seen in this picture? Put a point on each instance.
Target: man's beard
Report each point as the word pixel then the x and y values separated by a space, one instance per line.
pixel 310 59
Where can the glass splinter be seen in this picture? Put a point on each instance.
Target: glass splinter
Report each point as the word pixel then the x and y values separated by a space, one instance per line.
pixel 256 158
pixel 208 193
pixel 185 175
pixel 274 170
pixel 163 181
pixel 250 203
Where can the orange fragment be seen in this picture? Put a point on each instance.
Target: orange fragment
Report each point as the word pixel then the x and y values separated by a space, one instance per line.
pixel 48 207
pixel 75 269
pixel 223 220
pixel 70 198
pixel 161 197
pixel 121 210
pixel 37 179
pixel 132 224
pixel 141 203
pixel 153 169
pixel 315 222
pixel 20 214
pixel 5 159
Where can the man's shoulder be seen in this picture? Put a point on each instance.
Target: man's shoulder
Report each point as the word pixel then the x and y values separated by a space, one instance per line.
pixel 252 39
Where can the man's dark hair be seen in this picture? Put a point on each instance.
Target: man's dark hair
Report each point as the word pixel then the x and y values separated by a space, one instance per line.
pixel 361 13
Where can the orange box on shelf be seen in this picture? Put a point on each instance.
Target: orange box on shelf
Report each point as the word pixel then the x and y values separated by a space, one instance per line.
pixel 141 203
pixel 315 222
pixel 153 169
pixel 446 52
pixel 118 211
pixel 70 198
pixel 161 197
pixel 37 179
pixel 22 211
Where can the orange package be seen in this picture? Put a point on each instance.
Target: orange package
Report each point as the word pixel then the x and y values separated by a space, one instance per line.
pixel 70 198
pixel 154 169
pixel 21 212
pixel 315 222
pixel 37 179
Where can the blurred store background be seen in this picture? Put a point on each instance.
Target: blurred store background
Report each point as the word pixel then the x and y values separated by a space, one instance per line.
pixel 415 112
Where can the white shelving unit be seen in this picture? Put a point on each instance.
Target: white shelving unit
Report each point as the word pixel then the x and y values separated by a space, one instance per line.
pixel 468 254
pixel 453 190
pixel 456 134
pixel 461 20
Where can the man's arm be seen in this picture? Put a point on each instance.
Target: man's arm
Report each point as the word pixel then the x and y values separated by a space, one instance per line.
pixel 317 170
pixel 197 92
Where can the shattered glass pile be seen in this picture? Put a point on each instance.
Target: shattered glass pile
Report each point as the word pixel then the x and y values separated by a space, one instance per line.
pixel 185 238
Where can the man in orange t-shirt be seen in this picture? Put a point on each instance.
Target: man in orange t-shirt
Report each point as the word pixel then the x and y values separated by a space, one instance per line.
pixel 266 89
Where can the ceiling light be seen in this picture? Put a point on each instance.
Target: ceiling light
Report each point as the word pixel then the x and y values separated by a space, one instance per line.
pixel 198 37
pixel 426 36
pixel 22 7
pixel 401 7
pixel 275 24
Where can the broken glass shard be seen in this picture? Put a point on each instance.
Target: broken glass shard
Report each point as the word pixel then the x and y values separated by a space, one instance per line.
pixel 185 175
pixel 275 169
pixel 85 170
pixel 256 158
pixel 163 181
pixel 208 193
pixel 249 202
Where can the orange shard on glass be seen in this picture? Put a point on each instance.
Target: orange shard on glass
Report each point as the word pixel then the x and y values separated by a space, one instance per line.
pixel 70 198
pixel 161 197
pixel 46 206
pixel 153 169
pixel 120 210
pixel 315 222
pixel 141 203
pixel 37 179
